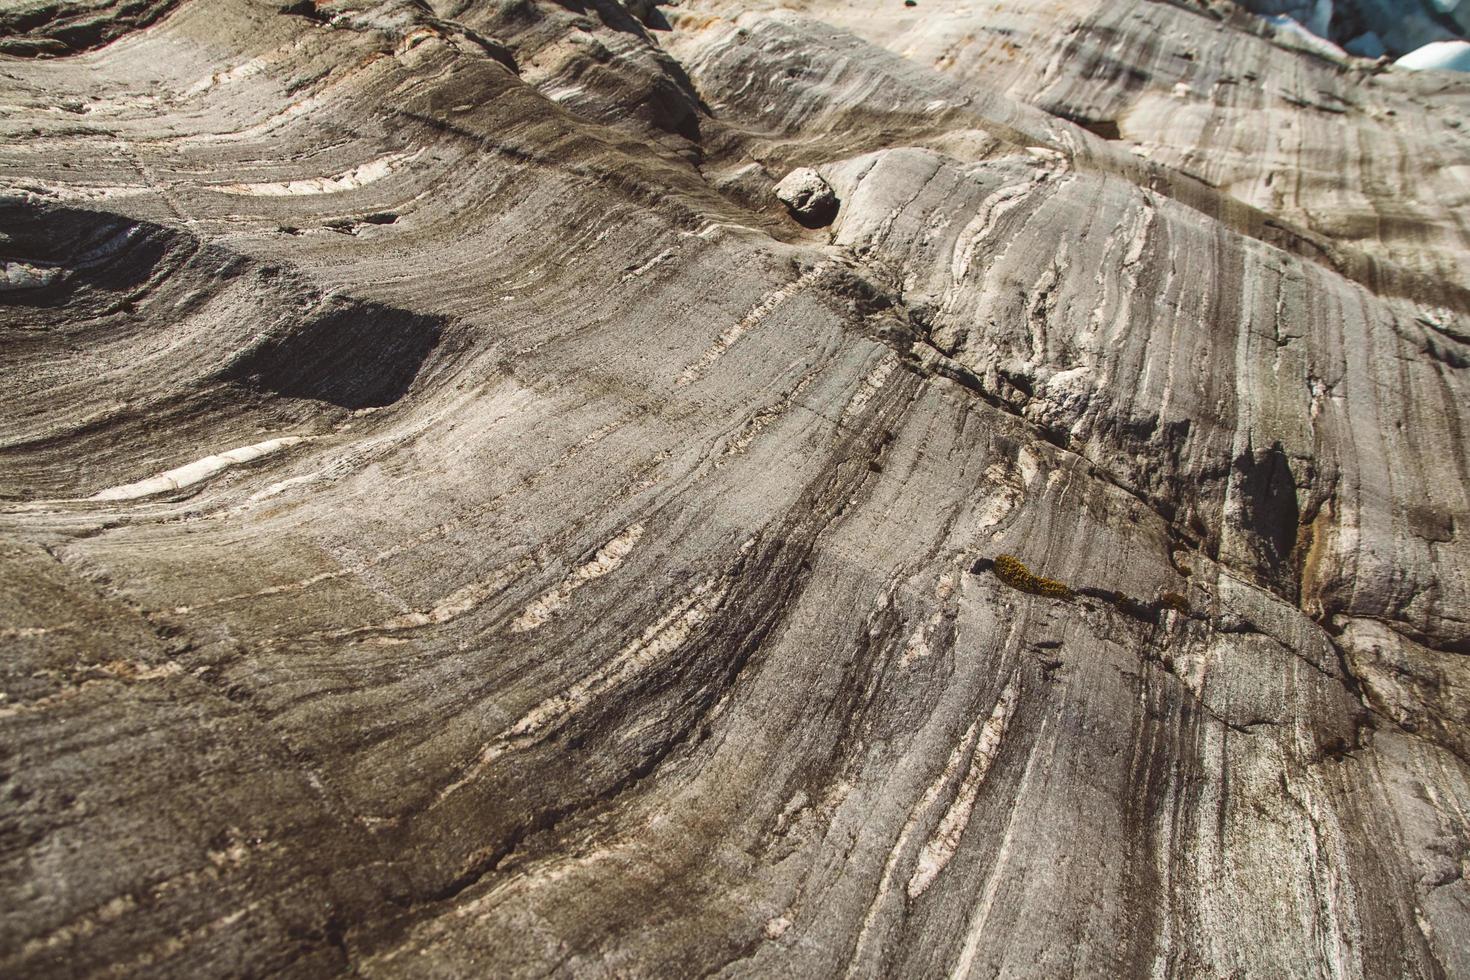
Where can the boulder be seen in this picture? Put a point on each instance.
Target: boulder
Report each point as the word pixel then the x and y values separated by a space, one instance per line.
pixel 809 198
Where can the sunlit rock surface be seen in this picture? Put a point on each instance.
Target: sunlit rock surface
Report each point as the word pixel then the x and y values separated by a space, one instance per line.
pixel 455 521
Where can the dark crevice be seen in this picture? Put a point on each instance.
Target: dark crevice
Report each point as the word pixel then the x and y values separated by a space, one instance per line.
pixel 355 355
pixel 1102 128
pixel 886 317
pixel 349 352
pixel 67 27
pixel 307 9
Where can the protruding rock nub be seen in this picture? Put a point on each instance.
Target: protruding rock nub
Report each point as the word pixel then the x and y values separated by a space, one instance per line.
pixel 808 196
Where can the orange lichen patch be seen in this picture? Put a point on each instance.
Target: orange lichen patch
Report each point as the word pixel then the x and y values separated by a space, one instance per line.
pixel 1010 570
pixel 136 670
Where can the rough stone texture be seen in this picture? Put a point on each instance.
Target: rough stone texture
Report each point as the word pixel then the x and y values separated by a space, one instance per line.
pixel 454 522
pixel 809 197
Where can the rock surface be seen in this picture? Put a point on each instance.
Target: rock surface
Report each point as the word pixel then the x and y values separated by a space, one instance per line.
pixel 808 196
pixel 454 522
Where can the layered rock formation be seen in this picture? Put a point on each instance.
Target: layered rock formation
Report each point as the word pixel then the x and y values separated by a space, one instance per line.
pixel 457 521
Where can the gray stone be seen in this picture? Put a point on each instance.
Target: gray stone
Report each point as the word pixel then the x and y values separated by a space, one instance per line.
pixel 454 524
pixel 808 196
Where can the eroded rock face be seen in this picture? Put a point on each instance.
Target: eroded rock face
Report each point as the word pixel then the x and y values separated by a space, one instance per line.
pixel 454 521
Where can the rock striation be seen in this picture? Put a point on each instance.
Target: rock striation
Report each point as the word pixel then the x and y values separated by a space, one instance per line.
pixel 455 520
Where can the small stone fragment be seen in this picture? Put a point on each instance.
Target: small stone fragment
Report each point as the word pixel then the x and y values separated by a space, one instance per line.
pixel 809 198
